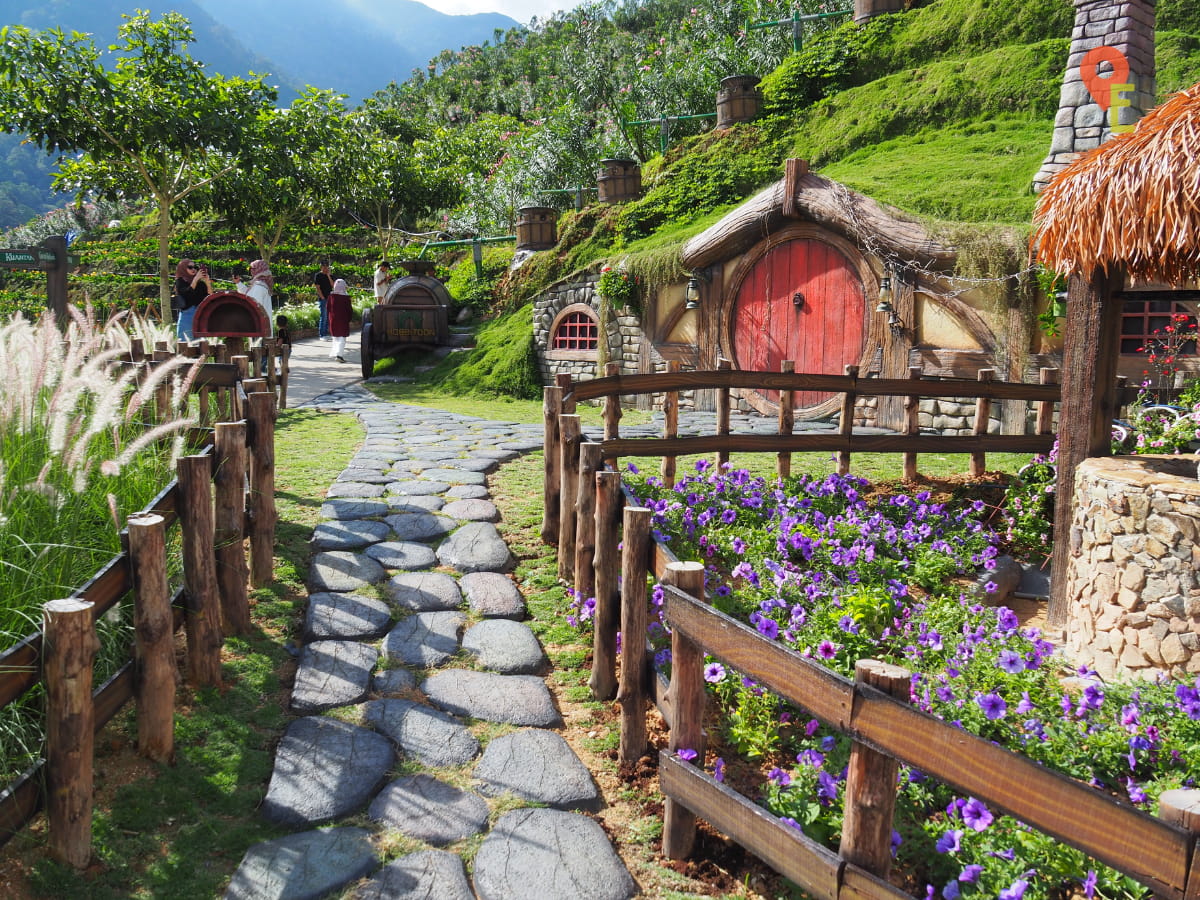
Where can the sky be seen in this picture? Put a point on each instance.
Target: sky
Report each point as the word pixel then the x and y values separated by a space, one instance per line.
pixel 521 10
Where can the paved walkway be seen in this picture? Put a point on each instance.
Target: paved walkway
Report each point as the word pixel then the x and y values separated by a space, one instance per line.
pixel 413 633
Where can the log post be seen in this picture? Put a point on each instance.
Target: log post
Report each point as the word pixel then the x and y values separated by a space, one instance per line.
pixel 154 637
pixel 229 525
pixel 590 462
pixel 551 461
pixel 723 411
pixel 612 406
pixel 1045 408
pixel 606 486
pixel 670 425
pixel 261 435
pixel 285 367
pixel 634 616
pixel 200 571
pixel 137 350
pixel 983 413
pixel 570 436
pixel 912 422
pixel 787 420
pixel 871 783
pixel 565 384
pixel 687 710
pixel 70 647
pixel 846 425
pixel 1181 807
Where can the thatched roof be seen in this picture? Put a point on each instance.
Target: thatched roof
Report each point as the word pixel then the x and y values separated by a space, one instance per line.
pixel 1133 203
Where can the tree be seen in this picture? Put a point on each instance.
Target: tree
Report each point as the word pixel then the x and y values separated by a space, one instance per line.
pixel 152 125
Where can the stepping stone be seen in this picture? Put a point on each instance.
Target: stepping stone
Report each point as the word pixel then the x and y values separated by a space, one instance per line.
pixel 341 570
pixel 505 646
pixel 565 854
pixel 325 769
pixel 468 492
pixel 417 487
pixel 476 547
pixel 493 595
pixel 365 476
pixel 425 639
pixel 472 510
pixel 524 445
pixel 476 464
pixel 420 526
pixel 354 489
pixel 346 617
pixel 539 766
pixel 432 736
pixel 394 681
pixel 331 674
pixel 414 504
pixel 429 810
pixel 349 534
pixel 424 875
pixel 373 463
pixel 454 476
pixel 352 509
pixel 516 699
pixel 496 454
pixel 303 866
pixel 402 555
pixel 424 591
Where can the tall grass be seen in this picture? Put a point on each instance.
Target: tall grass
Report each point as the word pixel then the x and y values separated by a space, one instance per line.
pixel 81 448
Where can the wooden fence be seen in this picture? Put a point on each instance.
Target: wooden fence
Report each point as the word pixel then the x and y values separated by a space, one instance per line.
pixel 223 492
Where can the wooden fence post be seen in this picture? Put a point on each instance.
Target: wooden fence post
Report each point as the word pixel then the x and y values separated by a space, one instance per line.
pixel 197 532
pixel 1045 408
pixel 70 647
pixel 787 420
pixel 590 462
pixel 137 350
pixel 606 486
pixel 551 460
pixel 612 406
pixel 154 637
pixel 570 436
pixel 261 434
pixel 983 412
pixel 846 425
pixel 242 363
pixel 564 383
pixel 229 525
pixel 687 710
pixel 634 616
pixel 670 425
pixel 723 410
pixel 912 424
pixel 1181 807
pixel 285 367
pixel 871 783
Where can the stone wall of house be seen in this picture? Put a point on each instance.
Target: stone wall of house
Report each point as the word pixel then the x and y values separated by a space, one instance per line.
pixel 624 335
pixel 1132 584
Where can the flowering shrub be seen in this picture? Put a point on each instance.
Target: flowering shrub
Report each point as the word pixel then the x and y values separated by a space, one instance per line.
pixel 618 286
pixel 1155 428
pixel 1028 509
pixel 1165 348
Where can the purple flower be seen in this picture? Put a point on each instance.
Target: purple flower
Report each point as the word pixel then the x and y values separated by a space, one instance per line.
pixel 1089 884
pixel 951 891
pixel 1136 794
pixel 780 777
pixel 1015 891
pixel 714 673
pixel 970 874
pixel 1006 619
pixel 768 628
pixel 992 704
pixel 896 842
pixel 826 788
pixel 976 815
pixel 687 754
pixel 950 842
pixel 792 823
pixel 1026 704
pixel 632 468
pixel 1011 662
pixel 826 650
pixel 810 757
pixel 719 769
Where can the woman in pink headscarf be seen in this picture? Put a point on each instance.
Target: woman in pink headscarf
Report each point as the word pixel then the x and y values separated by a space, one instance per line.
pixel 338 305
pixel 259 289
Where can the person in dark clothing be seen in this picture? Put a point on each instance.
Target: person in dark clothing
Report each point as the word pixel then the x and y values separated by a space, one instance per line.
pixel 192 284
pixel 340 312
pixel 324 282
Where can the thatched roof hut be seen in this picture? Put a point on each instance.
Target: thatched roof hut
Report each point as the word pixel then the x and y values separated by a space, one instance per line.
pixel 1132 204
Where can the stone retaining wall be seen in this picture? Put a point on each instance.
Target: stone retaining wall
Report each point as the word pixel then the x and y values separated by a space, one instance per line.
pixel 624 336
pixel 1132 587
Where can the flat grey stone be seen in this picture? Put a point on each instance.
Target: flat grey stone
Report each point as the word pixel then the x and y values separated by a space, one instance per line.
pixel 402 555
pixel 418 487
pixel 341 570
pixel 424 591
pixel 468 492
pixel 365 476
pixel 372 463
pixel 472 510
pixel 346 617
pixel 354 489
pixel 325 769
pixel 493 595
pixel 331 674
pixel 566 855
pixel 422 526
pixel 496 454
pixel 539 766
pixel 349 534
pixel 476 547
pixel 394 681
pixel 516 699
pixel 429 810
pixel 432 736
pixel 304 866
pixel 352 509
pixel 425 875
pixel 505 646
pixel 425 639
pixel 454 476
pixel 416 503
pixel 473 464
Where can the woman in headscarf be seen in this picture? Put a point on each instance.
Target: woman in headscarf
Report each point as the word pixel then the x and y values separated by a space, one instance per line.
pixel 338 306
pixel 259 289
pixel 192 285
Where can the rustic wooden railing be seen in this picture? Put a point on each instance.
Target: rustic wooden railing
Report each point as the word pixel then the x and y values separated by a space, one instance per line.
pixel 212 602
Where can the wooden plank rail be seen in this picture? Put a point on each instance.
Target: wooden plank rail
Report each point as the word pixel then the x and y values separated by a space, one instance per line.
pixel 856 443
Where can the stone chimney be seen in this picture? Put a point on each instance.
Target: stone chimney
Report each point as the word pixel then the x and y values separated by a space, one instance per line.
pixel 1112 44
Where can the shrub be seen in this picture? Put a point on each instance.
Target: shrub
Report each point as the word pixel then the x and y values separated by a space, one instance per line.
pixel 472 291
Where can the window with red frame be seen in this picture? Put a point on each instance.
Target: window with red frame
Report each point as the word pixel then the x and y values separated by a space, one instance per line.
pixel 1144 324
pixel 577 331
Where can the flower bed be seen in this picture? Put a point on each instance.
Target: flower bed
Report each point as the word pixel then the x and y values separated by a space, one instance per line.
pixel 838 576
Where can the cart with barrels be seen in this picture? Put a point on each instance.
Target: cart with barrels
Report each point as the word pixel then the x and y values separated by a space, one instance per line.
pixel 414 315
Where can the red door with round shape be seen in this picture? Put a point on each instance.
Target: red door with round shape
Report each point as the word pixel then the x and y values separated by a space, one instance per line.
pixel 823 334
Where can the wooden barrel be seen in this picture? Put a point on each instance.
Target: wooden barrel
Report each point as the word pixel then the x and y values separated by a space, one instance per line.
pixel 417 266
pixel 619 180
pixel 868 9
pixel 738 100
pixel 536 228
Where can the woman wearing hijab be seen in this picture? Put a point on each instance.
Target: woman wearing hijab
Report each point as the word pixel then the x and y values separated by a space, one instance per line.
pixel 191 286
pixel 338 306
pixel 259 289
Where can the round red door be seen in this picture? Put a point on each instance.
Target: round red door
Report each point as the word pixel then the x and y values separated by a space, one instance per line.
pixel 823 333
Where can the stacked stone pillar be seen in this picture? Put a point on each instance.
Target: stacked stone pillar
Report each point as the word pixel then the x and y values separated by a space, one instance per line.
pixel 1083 121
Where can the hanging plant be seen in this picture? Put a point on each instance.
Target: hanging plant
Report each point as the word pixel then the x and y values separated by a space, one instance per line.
pixel 618 287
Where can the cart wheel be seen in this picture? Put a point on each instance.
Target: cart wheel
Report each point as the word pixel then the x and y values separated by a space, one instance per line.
pixel 366 352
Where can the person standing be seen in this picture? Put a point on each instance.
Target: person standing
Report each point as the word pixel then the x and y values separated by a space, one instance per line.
pixel 339 319
pixel 324 282
pixel 259 289
pixel 192 285
pixel 383 276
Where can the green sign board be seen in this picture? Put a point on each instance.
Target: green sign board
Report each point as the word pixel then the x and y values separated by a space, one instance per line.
pixel 28 258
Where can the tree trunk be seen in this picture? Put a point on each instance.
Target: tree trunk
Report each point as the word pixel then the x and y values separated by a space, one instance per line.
pixel 164 259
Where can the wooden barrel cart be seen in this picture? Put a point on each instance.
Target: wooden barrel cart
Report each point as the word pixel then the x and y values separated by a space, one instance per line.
pixel 414 315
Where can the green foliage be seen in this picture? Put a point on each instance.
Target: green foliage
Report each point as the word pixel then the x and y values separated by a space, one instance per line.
pixel 1183 15
pixel 1028 510
pixel 468 289
pixel 618 286
pixel 502 363
pixel 1177 60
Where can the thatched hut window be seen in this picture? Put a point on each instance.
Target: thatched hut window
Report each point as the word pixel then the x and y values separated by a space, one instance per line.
pixel 575 333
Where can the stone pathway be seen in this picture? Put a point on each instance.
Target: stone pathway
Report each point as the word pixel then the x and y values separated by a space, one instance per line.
pixel 413 633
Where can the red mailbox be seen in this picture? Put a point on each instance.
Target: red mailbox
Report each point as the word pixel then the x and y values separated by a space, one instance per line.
pixel 230 314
